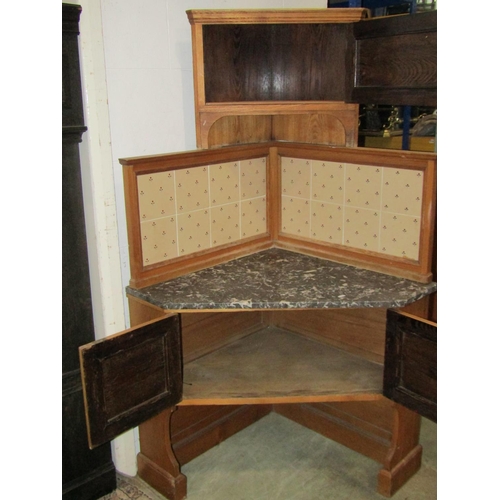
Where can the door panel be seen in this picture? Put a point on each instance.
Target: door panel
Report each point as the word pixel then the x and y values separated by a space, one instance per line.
pixel 130 377
pixel 410 369
pixel 393 60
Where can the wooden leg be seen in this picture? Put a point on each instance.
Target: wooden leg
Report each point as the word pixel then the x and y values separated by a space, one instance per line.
pixel 405 453
pixel 157 464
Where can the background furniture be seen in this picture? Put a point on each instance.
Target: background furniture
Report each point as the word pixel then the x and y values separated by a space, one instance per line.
pixel 86 474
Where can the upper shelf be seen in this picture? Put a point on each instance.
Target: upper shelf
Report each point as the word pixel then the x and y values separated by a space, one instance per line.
pixel 245 60
pixel 276 16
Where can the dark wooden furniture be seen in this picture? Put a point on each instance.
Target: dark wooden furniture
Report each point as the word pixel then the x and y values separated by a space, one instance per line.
pixel 181 229
pixel 395 61
pixel 410 370
pixel 86 474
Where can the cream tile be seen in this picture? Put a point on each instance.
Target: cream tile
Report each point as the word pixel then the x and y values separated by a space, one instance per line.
pixel 225 224
pixel 362 228
pixel 296 177
pixel 296 216
pixel 327 221
pixel 363 186
pixel 402 191
pixel 191 189
pixel 156 195
pixel 328 181
pixel 400 235
pixel 253 177
pixel 253 217
pixel 224 183
pixel 193 231
pixel 159 240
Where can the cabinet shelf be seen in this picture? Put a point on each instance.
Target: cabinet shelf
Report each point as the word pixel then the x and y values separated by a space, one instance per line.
pixel 274 365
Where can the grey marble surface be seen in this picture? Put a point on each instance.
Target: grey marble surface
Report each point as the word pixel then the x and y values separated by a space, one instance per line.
pixel 280 279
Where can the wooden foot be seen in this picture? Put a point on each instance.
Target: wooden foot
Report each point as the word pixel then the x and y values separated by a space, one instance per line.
pixel 404 457
pixel 157 463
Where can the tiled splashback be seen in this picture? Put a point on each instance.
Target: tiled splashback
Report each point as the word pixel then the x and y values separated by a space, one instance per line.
pixel 359 206
pixel 188 210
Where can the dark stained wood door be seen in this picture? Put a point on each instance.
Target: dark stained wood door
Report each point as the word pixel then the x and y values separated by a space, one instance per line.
pixel 410 368
pixel 130 377
pixel 393 60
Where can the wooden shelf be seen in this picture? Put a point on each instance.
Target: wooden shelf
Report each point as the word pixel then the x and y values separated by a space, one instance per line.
pixel 250 65
pixel 276 366
pixel 276 16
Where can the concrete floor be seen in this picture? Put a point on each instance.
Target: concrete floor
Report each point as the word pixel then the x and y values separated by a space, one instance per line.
pixel 277 459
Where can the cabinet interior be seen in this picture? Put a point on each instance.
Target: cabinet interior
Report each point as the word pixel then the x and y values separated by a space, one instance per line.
pixel 278 357
pixel 274 62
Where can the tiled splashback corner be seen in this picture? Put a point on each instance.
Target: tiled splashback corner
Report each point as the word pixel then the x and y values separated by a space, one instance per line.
pixel 358 206
pixel 188 210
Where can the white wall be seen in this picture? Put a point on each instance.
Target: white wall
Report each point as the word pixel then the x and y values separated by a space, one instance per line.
pixel 138 93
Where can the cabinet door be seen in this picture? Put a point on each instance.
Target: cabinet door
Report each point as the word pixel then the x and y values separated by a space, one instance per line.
pixel 130 377
pixel 393 60
pixel 410 369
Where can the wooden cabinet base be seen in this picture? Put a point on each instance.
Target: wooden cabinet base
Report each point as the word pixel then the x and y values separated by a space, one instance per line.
pixel 196 429
pixel 156 463
pixel 172 487
pixel 381 430
pixel 389 481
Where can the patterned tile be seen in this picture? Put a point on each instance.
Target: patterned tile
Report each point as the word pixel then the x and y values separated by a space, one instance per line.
pixel 359 206
pixel 184 211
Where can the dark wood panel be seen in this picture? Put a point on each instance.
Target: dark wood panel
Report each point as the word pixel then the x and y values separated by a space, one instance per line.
pixel 410 371
pixel 274 62
pixel 398 61
pixel 120 389
pixel 77 318
pixel 72 108
pixel 86 474
pixel 393 60
pixel 395 25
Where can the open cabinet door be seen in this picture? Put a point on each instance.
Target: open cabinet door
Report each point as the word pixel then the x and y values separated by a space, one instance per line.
pixel 393 60
pixel 130 377
pixel 410 368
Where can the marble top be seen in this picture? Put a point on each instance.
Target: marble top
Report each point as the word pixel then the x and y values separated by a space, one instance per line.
pixel 281 279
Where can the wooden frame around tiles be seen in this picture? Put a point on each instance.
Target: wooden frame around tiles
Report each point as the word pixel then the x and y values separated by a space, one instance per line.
pixel 418 269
